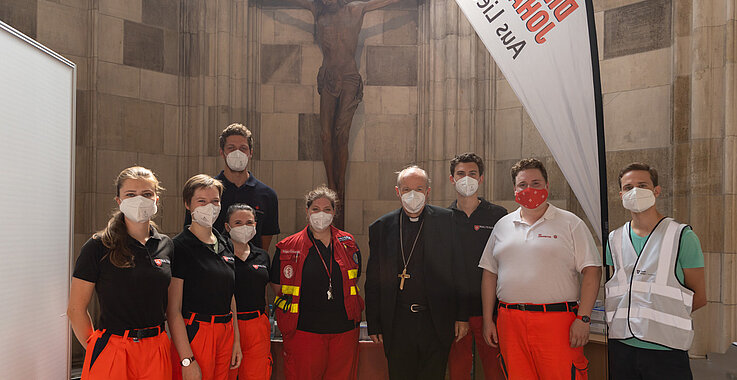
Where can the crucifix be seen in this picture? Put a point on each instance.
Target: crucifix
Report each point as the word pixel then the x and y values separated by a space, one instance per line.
pixel 403 276
pixel 405 261
pixel 337 27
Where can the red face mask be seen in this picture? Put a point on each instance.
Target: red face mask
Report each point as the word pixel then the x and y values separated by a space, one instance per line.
pixel 531 198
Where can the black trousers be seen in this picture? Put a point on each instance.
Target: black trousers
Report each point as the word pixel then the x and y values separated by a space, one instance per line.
pixel 415 351
pixel 632 363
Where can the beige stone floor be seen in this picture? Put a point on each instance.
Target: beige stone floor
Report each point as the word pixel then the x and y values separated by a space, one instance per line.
pixel 716 366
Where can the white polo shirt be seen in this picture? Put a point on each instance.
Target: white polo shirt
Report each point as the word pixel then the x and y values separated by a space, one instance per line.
pixel 539 263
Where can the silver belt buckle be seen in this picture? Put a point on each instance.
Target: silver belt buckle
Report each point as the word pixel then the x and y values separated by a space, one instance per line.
pixel 522 306
pixel 415 308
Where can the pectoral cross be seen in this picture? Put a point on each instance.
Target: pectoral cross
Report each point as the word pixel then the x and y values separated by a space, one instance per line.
pixel 403 276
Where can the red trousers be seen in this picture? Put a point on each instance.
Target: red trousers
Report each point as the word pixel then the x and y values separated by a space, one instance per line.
pixel 255 336
pixel 113 357
pixel 536 345
pixel 460 359
pixel 310 356
pixel 212 346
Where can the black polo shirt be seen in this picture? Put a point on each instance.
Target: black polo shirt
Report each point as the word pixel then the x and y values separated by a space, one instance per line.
pixel 473 233
pixel 251 277
pixel 130 298
pixel 208 273
pixel 317 314
pixel 253 193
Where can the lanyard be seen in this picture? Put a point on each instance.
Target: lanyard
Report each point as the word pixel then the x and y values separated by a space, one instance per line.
pixel 325 265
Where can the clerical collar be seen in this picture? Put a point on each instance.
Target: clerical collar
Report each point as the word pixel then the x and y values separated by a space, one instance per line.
pixel 413 219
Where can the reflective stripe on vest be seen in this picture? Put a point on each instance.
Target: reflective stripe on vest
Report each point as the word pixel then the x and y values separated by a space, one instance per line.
pixel 644 298
pixel 280 303
pixel 352 273
pixel 290 289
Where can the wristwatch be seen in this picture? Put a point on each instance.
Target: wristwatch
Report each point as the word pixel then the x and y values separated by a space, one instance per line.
pixel 584 318
pixel 187 361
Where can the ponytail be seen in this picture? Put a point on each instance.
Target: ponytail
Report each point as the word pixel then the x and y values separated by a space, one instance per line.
pixel 114 238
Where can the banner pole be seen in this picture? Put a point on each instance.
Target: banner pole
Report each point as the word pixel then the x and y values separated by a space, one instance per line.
pixel 603 193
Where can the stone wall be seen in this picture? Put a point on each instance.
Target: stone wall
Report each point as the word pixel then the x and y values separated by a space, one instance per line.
pixel 158 79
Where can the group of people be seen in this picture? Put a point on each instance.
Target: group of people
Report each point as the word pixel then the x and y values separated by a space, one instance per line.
pixel 208 283
pixel 521 286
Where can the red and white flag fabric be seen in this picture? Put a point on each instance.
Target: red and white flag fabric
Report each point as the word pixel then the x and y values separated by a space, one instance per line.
pixel 546 50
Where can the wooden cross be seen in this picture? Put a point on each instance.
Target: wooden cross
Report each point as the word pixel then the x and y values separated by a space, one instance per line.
pixel 403 276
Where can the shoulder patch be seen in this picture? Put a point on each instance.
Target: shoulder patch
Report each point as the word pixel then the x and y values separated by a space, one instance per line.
pixel 288 271
pixel 344 238
pixel 355 257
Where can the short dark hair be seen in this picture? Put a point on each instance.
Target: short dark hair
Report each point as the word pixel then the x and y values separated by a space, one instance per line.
pixel 467 157
pixel 639 166
pixel 235 129
pixel 238 207
pixel 528 163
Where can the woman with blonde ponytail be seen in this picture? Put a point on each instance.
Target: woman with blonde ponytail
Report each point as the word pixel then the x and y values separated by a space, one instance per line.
pixel 128 265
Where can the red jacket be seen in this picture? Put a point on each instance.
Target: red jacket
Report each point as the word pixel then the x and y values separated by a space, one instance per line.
pixel 293 251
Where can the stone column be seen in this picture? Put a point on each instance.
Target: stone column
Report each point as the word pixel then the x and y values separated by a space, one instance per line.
pixel 704 137
pixel 455 71
pixel 214 80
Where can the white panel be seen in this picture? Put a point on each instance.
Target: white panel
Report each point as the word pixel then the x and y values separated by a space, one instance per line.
pixel 36 153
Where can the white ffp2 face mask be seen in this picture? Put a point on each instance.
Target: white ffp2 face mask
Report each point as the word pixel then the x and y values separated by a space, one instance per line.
pixel 320 220
pixel 237 161
pixel 138 209
pixel 206 215
pixel 242 234
pixel 413 201
pixel 467 186
pixel 638 199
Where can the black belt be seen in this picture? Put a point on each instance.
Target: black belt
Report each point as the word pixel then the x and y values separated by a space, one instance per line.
pixel 414 308
pixel 248 315
pixel 189 317
pixel 138 334
pixel 548 307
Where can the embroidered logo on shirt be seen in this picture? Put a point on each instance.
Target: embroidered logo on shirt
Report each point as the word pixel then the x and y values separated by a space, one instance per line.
pixel 228 259
pixel 547 236
pixel 478 227
pixel 355 257
pixel 344 238
pixel 257 266
pixel 158 262
pixel 288 271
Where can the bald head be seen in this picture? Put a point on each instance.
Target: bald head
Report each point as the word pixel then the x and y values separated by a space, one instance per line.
pixel 412 173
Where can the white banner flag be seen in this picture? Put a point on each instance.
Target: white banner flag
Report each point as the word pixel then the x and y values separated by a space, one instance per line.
pixel 543 47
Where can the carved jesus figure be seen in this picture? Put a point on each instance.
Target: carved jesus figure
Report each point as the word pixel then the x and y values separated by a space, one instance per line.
pixel 337 25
